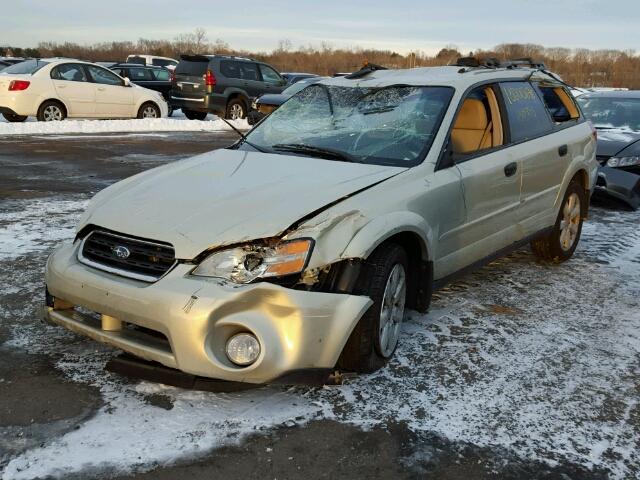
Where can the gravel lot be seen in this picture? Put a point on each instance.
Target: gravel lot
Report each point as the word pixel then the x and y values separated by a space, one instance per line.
pixel 520 370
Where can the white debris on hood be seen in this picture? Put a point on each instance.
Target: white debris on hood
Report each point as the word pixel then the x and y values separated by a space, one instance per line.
pixel 537 359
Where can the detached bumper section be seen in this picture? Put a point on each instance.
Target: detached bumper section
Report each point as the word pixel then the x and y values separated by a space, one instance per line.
pixel 184 322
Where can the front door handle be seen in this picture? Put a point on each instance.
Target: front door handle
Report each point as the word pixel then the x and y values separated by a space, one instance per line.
pixel 562 150
pixel 511 169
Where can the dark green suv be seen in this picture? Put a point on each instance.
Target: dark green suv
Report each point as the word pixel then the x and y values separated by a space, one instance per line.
pixel 223 85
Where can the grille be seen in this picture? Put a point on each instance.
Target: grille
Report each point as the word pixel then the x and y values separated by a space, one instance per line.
pixel 130 257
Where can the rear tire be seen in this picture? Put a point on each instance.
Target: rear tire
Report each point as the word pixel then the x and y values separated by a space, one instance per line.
pixel 13 118
pixel 51 111
pixel 368 348
pixel 236 109
pixel 558 246
pixel 193 115
pixel 149 110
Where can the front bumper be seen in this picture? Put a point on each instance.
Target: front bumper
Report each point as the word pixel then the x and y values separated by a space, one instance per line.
pixel 194 316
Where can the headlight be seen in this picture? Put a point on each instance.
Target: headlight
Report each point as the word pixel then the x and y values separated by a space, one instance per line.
pixel 623 161
pixel 247 263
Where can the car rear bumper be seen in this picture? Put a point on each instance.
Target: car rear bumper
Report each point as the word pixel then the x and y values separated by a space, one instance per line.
pixel 187 320
pixel 206 103
pixel 22 103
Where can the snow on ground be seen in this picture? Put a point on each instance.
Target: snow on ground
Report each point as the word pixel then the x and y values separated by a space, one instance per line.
pixel 177 123
pixel 540 360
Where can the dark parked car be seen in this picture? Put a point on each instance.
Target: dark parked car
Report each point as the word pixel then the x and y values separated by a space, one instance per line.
pixel 269 102
pixel 616 116
pixel 153 78
pixel 223 85
pixel 4 65
pixel 294 77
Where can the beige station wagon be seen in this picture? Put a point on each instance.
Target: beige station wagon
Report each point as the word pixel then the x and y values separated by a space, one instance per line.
pixel 299 248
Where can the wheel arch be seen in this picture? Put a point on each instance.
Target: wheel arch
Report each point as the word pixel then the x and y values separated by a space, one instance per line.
pixel 411 232
pixel 54 99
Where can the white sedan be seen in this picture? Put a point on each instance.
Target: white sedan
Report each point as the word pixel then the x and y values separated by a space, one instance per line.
pixel 53 89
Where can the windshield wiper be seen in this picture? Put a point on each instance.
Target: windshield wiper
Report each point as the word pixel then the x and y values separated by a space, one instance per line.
pixel 243 137
pixel 313 150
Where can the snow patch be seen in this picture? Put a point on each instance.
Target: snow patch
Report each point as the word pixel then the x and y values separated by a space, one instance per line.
pixel 214 124
pixel 37 225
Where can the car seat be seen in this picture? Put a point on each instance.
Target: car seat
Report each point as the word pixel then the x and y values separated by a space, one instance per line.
pixel 472 130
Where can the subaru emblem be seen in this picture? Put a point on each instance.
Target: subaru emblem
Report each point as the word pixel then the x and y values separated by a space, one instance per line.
pixel 121 252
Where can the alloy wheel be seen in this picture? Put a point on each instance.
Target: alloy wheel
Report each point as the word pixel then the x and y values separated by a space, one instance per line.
pixel 392 310
pixel 570 222
pixel 236 111
pixel 149 112
pixel 52 113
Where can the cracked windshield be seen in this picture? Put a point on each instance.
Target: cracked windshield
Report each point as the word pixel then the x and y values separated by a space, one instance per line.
pixel 389 126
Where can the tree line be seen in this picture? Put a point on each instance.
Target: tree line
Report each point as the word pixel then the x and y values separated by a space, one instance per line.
pixel 579 67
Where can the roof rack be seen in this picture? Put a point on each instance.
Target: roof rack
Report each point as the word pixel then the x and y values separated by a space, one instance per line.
pixel 492 62
pixel 365 70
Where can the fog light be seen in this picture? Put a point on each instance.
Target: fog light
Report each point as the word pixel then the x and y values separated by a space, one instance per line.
pixel 243 349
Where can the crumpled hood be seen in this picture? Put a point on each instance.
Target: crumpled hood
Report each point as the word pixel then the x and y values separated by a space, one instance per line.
pixel 611 142
pixel 226 197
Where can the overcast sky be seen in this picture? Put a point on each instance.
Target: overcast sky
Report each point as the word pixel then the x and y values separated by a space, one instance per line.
pixel 400 25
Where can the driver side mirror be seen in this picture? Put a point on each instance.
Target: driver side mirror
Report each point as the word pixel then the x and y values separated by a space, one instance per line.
pixel 127 82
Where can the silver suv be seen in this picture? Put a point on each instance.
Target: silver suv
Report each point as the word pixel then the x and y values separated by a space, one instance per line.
pixel 300 247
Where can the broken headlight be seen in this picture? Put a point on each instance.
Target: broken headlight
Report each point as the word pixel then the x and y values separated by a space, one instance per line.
pixel 247 263
pixel 623 161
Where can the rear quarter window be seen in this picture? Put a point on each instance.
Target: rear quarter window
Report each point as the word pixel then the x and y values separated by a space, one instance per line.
pixel 527 115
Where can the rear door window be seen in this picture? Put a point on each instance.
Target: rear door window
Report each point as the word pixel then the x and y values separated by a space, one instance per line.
pixel 527 115
pixel 249 71
pixel 140 74
pixel 230 69
pixel 70 72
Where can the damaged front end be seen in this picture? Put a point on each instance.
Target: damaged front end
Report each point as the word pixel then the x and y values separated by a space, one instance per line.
pixel 620 185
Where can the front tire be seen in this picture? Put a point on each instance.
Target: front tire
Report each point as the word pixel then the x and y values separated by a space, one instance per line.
pixel 51 111
pixel 149 110
pixel 193 115
pixel 13 118
pixel 558 246
pixel 375 338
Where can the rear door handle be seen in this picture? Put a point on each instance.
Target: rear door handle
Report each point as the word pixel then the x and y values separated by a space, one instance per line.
pixel 562 150
pixel 101 89
pixel 511 169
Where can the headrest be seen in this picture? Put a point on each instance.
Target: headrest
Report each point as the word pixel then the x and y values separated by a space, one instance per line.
pixel 472 116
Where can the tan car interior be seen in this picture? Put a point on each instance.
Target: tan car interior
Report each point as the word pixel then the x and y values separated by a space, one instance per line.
pixel 477 127
pixel 567 102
